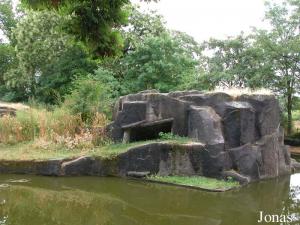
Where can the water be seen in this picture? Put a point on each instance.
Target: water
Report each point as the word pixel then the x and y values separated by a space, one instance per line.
pixel 32 200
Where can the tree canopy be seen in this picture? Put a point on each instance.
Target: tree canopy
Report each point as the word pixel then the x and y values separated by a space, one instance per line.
pixel 8 19
pixel 95 23
pixel 158 63
pixel 55 43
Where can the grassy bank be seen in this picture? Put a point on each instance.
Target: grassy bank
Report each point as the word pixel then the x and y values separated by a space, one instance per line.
pixel 196 182
pixel 31 151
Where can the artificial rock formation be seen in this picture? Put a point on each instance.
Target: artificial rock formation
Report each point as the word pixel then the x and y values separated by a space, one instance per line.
pixel 238 136
pixel 4 110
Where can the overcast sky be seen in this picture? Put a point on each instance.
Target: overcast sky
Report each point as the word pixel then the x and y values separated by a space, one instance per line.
pixel 210 18
pixel 203 19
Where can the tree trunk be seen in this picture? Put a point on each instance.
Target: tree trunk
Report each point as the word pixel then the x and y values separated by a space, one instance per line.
pixel 289 111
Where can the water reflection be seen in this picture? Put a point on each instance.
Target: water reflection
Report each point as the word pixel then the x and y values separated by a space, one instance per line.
pixel 95 201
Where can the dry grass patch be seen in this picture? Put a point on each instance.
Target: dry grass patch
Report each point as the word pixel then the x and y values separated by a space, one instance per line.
pixel 235 92
pixel 57 127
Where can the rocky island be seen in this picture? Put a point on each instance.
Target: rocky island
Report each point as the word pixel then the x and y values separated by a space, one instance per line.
pixel 233 135
pixel 226 135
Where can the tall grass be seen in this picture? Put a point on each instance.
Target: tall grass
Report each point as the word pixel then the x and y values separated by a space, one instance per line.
pixel 59 127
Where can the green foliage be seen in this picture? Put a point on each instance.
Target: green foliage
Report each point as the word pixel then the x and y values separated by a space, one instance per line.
pixel 296 115
pixel 166 136
pixel 95 23
pixel 39 41
pixel 7 58
pixel 7 18
pixel 56 80
pixel 173 137
pixel 140 26
pixel 47 60
pixel 281 47
pixel 157 63
pixel 107 78
pixel 234 62
pixel 87 98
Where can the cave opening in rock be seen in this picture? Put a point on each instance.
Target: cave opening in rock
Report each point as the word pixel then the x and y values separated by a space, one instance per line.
pixel 150 130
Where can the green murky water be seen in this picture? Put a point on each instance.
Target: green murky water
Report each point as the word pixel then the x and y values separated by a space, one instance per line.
pixel 32 200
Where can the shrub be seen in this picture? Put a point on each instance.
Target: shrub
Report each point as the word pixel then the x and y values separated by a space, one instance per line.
pixel 18 129
pixel 167 136
pixel 87 98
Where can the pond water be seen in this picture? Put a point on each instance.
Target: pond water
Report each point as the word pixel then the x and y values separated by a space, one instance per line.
pixel 33 200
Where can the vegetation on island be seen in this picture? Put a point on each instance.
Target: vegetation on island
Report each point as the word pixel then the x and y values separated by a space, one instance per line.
pixel 197 182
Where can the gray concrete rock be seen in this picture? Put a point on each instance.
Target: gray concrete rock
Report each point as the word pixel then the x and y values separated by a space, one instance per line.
pixel 238 123
pixel 178 94
pixel 211 99
pixel 79 166
pixel 267 112
pixel 7 111
pixel 295 165
pixel 231 174
pixel 205 125
pixel 39 167
pixel 247 160
pixel 239 133
pixel 136 174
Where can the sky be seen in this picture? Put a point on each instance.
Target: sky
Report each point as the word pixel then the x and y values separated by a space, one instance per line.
pixel 204 19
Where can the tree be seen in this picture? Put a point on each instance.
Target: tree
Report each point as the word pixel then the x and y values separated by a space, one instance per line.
pixel 140 26
pixel 281 47
pixel 234 62
pixel 8 19
pixel 159 63
pixel 188 42
pixel 39 41
pixel 6 61
pixel 107 77
pixel 95 23
pixel 56 79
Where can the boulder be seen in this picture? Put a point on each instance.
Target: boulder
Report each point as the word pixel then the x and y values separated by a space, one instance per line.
pixel 247 160
pixel 238 123
pixel 161 158
pixel 213 165
pixel 275 158
pixel 211 99
pixel 231 174
pixel 178 94
pixel 79 166
pixel 267 112
pixel 205 125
